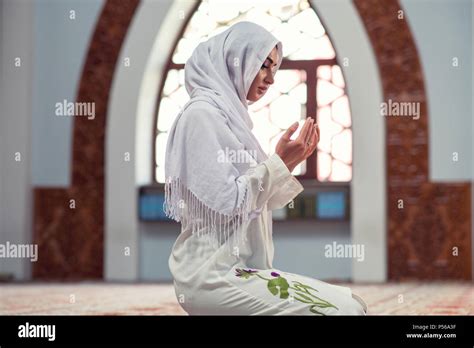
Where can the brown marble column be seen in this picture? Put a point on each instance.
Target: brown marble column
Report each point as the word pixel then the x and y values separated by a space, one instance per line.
pixel 436 218
pixel 69 223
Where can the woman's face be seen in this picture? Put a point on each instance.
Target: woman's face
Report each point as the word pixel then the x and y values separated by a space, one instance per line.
pixel 264 77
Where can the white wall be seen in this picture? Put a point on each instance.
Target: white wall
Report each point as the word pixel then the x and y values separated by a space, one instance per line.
pixel 61 45
pixel 129 126
pixel 16 26
pixel 443 30
pixel 368 187
pixel 300 248
pixel 52 49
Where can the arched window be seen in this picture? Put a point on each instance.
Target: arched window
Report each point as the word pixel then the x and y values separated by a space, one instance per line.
pixel 309 83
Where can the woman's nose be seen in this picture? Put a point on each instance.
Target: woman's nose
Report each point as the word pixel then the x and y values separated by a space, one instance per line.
pixel 269 78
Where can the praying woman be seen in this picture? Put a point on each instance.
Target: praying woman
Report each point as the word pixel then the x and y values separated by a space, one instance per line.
pixel 222 261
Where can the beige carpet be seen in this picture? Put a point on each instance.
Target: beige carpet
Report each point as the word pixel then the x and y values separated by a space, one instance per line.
pixel 159 299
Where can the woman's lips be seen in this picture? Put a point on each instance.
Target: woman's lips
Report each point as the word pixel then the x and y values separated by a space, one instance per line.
pixel 262 89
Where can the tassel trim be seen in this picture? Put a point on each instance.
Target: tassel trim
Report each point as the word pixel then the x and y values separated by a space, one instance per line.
pixel 182 205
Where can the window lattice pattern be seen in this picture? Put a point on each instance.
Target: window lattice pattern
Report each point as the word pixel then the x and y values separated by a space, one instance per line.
pixel 334 119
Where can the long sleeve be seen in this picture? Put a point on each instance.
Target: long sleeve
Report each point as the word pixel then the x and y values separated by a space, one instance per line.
pixel 271 183
pixel 287 191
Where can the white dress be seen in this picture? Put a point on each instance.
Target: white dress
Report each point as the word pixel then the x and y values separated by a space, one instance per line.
pixel 220 281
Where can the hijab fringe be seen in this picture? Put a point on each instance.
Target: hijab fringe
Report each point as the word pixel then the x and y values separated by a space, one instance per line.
pixel 216 227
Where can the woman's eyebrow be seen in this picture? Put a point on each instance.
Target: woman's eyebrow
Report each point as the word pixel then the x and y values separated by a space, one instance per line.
pixel 271 60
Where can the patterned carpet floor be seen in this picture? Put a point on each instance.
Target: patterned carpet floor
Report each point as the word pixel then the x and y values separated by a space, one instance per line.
pixel 159 299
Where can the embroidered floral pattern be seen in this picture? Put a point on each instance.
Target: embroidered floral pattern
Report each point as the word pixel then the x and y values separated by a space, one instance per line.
pixel 278 285
pixel 244 273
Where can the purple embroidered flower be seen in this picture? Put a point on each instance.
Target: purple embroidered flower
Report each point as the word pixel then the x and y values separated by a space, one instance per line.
pixel 244 273
pixel 275 274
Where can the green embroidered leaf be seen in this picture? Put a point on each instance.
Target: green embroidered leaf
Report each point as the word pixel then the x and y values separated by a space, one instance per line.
pixel 303 285
pixel 298 288
pixel 280 283
pixel 284 294
pixel 245 273
pixel 315 311
pixel 302 300
pixel 283 287
pixel 322 304
pixel 272 286
pixel 306 298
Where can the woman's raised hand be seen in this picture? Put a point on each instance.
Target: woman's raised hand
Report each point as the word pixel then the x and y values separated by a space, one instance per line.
pixel 293 152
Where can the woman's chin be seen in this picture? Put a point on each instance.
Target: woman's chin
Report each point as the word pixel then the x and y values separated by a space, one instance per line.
pixel 256 98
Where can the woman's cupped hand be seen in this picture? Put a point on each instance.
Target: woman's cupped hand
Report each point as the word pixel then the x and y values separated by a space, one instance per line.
pixel 293 152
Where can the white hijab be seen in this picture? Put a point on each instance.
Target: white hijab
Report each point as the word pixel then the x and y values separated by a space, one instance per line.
pixel 201 188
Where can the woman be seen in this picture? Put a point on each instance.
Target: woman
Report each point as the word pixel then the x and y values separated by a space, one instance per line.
pixel 222 187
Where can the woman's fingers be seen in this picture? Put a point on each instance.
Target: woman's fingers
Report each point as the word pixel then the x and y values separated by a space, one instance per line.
pixel 289 132
pixel 313 142
pixel 309 137
pixel 304 131
pixel 316 138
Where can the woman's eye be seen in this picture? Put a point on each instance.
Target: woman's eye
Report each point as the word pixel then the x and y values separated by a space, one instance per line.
pixel 264 66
